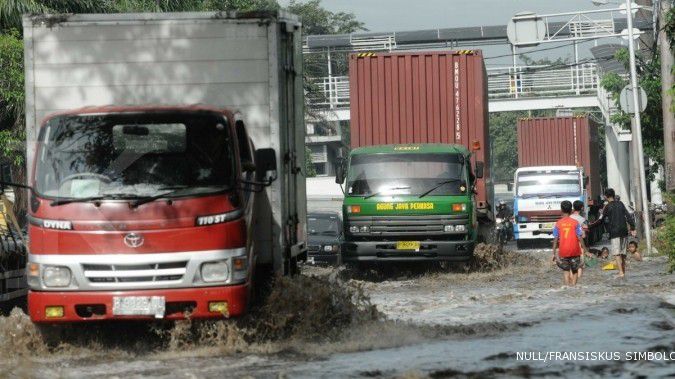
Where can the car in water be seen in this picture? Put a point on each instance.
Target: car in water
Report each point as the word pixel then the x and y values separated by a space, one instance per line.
pixel 324 235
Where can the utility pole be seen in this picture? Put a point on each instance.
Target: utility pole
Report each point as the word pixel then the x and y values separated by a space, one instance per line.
pixel 667 83
pixel 637 130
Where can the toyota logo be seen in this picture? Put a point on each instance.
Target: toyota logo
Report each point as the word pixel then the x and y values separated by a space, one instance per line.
pixel 133 240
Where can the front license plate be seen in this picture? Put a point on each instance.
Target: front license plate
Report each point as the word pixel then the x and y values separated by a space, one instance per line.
pixel 139 306
pixel 408 245
pixel 548 226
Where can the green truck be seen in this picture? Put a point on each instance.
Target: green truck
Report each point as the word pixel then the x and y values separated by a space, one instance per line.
pixel 410 203
pixel 416 182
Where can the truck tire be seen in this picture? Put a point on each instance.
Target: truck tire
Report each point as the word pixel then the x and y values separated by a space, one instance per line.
pixel 51 334
pixel 485 233
pixel 261 284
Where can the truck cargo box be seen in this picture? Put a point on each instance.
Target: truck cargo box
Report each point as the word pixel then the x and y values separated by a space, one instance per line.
pixel 561 141
pixel 421 97
pixel 251 63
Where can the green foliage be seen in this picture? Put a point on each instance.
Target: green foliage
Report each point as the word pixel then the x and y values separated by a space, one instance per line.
pixel 504 145
pixel 11 76
pixel 11 97
pixel 317 20
pixel 669 25
pixel 310 171
pixel 664 236
pixel 649 78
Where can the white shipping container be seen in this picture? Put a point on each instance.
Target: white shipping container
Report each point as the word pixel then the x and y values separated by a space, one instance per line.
pixel 251 63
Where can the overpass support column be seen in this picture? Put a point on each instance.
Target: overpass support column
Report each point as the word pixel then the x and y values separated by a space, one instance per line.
pixel 618 164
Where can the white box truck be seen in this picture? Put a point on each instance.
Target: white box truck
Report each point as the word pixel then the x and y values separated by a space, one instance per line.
pixel 164 155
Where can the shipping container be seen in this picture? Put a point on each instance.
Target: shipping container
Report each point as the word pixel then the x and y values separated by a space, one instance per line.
pixel 421 97
pixel 562 141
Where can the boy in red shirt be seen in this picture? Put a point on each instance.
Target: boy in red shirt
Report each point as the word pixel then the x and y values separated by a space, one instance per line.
pixel 568 245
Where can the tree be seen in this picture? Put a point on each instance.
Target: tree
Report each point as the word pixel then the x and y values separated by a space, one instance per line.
pixel 317 20
pixel 310 170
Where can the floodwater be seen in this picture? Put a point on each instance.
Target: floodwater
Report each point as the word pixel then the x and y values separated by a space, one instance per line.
pixel 336 323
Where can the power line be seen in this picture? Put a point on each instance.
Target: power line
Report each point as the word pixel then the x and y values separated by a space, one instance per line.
pixel 551 67
pixel 535 51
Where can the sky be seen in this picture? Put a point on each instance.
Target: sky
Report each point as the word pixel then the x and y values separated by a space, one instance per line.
pixel 397 15
pixel 402 15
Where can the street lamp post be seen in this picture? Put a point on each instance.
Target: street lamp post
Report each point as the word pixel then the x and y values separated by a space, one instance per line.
pixel 637 130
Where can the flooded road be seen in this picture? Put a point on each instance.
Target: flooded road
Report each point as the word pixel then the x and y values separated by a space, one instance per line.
pixel 437 324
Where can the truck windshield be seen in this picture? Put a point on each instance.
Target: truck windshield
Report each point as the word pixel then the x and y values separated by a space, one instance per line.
pixel 127 155
pixel 323 225
pixel 405 174
pixel 542 184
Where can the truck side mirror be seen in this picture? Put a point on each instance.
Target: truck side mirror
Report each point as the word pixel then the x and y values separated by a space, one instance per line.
pixel 340 170
pixel 265 161
pixel 509 187
pixel 480 167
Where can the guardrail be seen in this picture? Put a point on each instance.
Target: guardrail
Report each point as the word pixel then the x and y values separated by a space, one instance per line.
pixel 332 92
pixel 542 81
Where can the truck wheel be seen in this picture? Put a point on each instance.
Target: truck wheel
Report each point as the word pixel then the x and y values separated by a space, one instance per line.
pixel 263 276
pixel 51 335
pixel 293 267
pixel 485 233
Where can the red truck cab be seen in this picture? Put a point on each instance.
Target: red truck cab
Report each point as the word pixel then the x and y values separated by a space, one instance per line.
pixel 141 213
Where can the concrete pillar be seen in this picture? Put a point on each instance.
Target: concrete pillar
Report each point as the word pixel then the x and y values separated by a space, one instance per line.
pixel 618 164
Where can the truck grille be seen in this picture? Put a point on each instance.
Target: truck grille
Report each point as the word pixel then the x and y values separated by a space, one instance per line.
pixel 313 248
pixel 426 225
pixel 545 218
pixel 154 272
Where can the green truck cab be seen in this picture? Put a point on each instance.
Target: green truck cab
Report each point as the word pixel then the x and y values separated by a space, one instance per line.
pixel 409 203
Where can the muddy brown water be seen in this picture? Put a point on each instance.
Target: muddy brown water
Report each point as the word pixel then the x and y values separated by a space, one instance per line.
pixel 471 322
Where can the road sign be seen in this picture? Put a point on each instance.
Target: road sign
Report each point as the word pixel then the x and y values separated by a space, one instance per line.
pixel 633 8
pixel 636 34
pixel 626 99
pixel 526 29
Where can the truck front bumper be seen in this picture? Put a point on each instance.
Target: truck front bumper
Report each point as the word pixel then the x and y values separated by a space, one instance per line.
pixel 533 231
pixel 385 251
pixel 98 305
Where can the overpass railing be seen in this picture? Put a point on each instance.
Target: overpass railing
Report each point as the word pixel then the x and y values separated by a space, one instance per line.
pixel 332 92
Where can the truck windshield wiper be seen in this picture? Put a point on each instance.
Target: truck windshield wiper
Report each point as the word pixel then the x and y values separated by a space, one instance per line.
pixel 439 185
pixel 58 202
pixel 148 199
pixel 172 191
pixel 379 192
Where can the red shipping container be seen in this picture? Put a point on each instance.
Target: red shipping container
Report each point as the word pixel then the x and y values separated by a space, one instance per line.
pixel 561 141
pixel 421 97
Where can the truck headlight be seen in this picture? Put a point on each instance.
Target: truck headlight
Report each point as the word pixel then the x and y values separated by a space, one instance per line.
pixel 56 276
pixel 353 229
pixel 498 220
pixel 331 248
pixel 364 229
pixel 215 271
pixel 449 228
pixel 460 228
